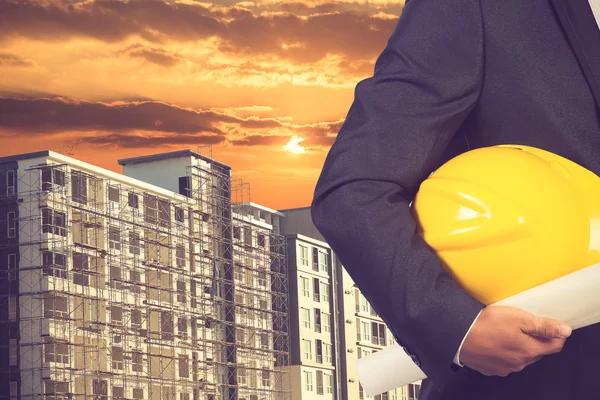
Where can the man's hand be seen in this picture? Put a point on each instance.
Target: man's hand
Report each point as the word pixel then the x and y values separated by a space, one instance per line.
pixel 505 340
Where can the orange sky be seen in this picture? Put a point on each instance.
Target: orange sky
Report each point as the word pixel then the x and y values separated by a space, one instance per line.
pixel 103 80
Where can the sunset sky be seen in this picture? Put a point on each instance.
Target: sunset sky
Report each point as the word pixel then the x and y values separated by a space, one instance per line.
pixel 266 83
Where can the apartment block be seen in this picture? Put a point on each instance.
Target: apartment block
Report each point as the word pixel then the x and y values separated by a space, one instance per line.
pixel 353 327
pixel 164 282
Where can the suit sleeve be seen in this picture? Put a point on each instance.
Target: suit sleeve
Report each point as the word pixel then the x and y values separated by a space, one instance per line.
pixel 426 82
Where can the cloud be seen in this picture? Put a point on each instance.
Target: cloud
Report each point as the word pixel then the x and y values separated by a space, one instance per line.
pixel 152 123
pixel 322 30
pixel 59 115
pixel 145 141
pixel 157 56
pixel 14 61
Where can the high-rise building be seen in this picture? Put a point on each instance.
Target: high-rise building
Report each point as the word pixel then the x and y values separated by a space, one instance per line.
pixel 353 330
pixel 161 283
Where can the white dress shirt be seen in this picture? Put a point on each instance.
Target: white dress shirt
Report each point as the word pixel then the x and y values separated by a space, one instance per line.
pixel 595 6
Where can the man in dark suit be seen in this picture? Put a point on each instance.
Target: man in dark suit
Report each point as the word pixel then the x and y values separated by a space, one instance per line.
pixel 457 75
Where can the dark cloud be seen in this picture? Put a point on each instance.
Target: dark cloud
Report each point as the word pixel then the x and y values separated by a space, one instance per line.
pixel 357 35
pixel 154 55
pixel 148 124
pixel 14 61
pixel 261 140
pixel 137 141
pixel 59 115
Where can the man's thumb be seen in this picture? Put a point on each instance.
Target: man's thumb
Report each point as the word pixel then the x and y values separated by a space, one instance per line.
pixel 548 328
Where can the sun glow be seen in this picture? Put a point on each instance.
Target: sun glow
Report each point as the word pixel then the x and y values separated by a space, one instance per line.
pixel 294 146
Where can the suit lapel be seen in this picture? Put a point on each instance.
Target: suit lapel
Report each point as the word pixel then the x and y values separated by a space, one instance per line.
pixel 583 33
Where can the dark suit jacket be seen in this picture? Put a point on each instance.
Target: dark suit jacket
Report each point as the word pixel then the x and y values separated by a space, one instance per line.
pixel 457 75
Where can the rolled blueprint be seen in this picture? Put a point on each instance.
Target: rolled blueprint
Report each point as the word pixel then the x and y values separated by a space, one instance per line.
pixel 573 298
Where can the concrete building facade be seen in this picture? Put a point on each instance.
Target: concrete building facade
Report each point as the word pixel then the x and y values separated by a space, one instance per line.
pixel 162 283
pixel 355 329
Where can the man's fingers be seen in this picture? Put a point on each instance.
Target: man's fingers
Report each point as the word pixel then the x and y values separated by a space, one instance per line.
pixel 544 327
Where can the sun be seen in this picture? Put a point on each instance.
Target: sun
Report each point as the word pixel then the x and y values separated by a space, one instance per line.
pixel 293 145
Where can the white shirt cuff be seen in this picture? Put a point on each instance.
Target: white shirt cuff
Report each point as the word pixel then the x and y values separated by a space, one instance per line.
pixel 456 357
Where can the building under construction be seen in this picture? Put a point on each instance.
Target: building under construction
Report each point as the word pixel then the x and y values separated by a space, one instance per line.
pixel 165 282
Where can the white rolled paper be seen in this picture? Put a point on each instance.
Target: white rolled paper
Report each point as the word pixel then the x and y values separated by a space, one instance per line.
pixel 573 298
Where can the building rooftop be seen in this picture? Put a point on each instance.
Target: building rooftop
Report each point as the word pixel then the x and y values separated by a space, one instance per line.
pixel 26 156
pixel 172 154
pixel 261 207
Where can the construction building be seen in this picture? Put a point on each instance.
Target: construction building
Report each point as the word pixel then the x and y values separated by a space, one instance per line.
pixel 328 337
pixel 164 282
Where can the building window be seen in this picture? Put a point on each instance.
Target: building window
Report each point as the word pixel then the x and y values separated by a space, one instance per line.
pixel 150 209
pixel 181 291
pixel 11 217
pixel 57 352
pixel 100 389
pixel 319 382
pixel 261 240
pixel 182 327
pixel 180 256
pixel 56 306
pixel 413 391
pixel 308 354
pixel 241 376
pixel 326 318
pixel 378 334
pixel 138 393
pixel 113 194
pixel 262 278
pixel 11 182
pixel 136 364
pixel 237 232
pixel 54 264
pixel 179 217
pixel 308 381
pixel 79 187
pixel 315 264
pixel 118 393
pixel 327 353
pixel 134 242
pixel 305 288
pixel 365 330
pixel 12 266
pixel 306 317
pixel 319 350
pixel 114 238
pixel 304 255
pixel 117 357
pixel 116 315
pixel 164 212
pixel 52 176
pixel 54 222
pixel 324 292
pixel 81 264
pixel 317 289
pixel 133 200
pixel 323 262
pixel 328 383
pixel 364 304
pixel 317 320
pixel 136 318
pixel 266 378
pixel 264 340
pixel 115 277
pixel 184 366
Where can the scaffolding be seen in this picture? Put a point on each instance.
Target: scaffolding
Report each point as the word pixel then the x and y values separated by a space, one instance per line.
pixel 117 292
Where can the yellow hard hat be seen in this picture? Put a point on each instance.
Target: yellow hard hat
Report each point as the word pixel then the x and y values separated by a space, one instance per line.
pixel 504 219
